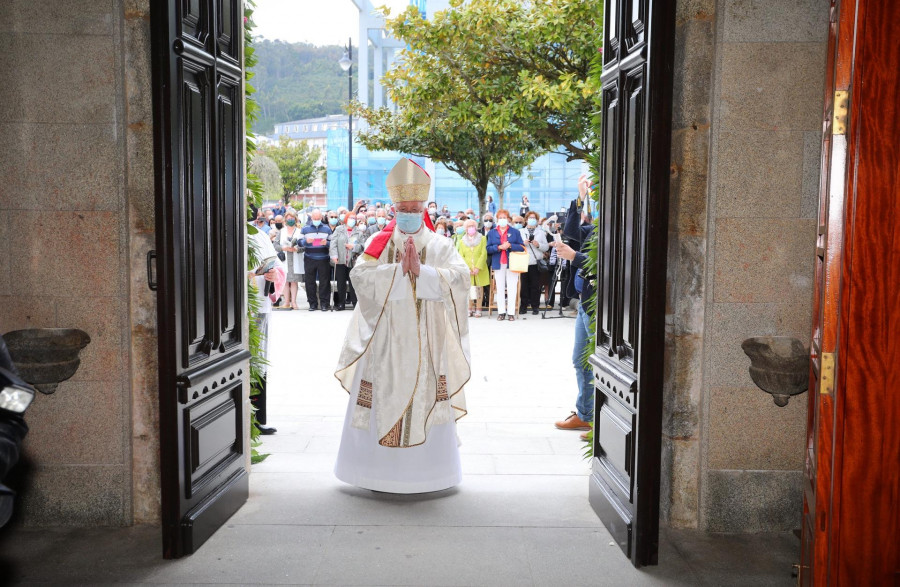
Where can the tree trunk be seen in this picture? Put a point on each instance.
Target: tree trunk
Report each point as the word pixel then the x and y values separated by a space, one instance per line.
pixel 482 188
pixel 501 190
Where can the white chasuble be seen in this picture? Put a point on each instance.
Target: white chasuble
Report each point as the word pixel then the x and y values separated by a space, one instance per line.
pixel 404 363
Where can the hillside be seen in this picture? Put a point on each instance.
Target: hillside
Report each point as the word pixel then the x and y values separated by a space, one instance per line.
pixel 297 80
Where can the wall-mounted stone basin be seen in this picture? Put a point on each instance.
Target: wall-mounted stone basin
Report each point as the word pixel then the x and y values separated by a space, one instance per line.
pixel 46 356
pixel 778 365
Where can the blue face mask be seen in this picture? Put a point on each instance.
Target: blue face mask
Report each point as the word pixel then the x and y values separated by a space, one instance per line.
pixel 518 225
pixel 460 230
pixel 316 222
pixel 342 216
pixel 409 221
pixel 381 220
pixel 333 221
pixel 532 222
pixel 351 223
pixel 370 220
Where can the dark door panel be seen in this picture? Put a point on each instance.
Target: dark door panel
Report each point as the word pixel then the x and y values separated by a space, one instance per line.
pixel 631 277
pixel 203 361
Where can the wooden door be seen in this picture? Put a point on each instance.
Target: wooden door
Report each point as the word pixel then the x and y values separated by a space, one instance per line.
pixel 203 357
pixel 631 282
pixel 851 504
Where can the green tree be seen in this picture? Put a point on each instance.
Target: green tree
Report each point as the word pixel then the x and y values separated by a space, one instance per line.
pixel 475 154
pixel 269 175
pixel 298 164
pixel 509 64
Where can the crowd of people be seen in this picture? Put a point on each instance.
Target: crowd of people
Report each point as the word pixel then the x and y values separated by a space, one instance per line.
pixel 513 261
pixel 510 249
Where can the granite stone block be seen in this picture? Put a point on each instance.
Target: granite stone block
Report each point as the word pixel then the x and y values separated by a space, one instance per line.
pixel 74 495
pixel 145 428
pixel 86 251
pixel 680 494
pixel 796 21
pixel 689 181
pixel 729 325
pixel 759 174
pixel 702 10
pixel 5 261
pixel 748 431
pixel 683 385
pixel 72 17
pixel 26 311
pixel 82 423
pixel 753 501
pixel 772 86
pixel 762 260
pixel 140 189
pixel 138 81
pixel 692 85
pixel 44 83
pixel 80 166
pixel 105 358
pixel 812 159
pixel 687 315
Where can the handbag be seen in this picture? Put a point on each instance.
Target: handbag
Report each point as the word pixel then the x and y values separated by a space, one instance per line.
pixel 518 261
pixel 543 266
pixel 473 292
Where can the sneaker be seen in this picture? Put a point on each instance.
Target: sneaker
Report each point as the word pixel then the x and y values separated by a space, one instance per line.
pixel 573 422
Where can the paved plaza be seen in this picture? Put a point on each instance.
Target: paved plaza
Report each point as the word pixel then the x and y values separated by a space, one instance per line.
pixel 520 517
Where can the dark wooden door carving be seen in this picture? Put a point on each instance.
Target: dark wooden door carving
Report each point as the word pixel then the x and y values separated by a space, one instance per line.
pixel 631 280
pixel 203 361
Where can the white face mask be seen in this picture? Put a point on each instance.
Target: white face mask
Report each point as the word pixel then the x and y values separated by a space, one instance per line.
pixel 503 222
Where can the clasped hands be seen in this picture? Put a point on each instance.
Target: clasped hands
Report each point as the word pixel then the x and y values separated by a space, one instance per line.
pixel 409 258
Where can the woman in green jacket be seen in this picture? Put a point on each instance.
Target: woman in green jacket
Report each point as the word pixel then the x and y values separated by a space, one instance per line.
pixel 472 247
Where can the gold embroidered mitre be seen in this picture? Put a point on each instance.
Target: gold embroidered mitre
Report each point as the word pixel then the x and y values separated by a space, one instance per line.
pixel 407 182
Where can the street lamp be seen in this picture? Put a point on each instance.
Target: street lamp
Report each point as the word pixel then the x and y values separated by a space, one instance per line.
pixel 346 63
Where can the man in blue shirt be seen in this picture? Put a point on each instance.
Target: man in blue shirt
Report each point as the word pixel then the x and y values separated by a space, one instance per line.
pixel 316 263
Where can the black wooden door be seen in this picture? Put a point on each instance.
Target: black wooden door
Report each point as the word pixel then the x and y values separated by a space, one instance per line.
pixel 203 361
pixel 631 278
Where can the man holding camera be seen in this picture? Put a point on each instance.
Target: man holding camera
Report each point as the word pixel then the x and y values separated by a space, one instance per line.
pixel 578 229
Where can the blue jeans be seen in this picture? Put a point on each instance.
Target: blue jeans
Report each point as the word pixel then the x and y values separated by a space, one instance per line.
pixel 584 405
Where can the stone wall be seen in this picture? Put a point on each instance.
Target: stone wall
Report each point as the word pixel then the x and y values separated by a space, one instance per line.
pixel 763 186
pixel 76 218
pixel 691 113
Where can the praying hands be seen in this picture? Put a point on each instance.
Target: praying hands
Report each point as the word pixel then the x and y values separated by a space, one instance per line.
pixel 409 260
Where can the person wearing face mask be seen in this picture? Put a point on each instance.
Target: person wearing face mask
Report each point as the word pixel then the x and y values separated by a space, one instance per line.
pixel 405 357
pixel 487 223
pixel 472 247
pixel 501 241
pixel 525 207
pixel 518 222
pixel 376 222
pixel 458 231
pixel 536 245
pixel 287 244
pixel 316 265
pixel 342 245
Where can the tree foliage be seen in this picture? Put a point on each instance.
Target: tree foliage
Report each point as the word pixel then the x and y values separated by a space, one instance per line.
pixel 269 175
pixel 510 64
pixel 298 163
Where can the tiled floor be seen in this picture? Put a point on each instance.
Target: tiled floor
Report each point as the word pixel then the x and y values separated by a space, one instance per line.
pixel 520 517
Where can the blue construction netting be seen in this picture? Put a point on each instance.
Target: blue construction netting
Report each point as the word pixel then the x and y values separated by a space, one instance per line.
pixel 550 182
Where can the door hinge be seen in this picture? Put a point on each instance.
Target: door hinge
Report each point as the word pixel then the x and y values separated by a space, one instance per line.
pixel 826 370
pixel 841 106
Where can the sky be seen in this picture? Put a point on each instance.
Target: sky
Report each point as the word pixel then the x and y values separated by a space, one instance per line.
pixel 320 22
